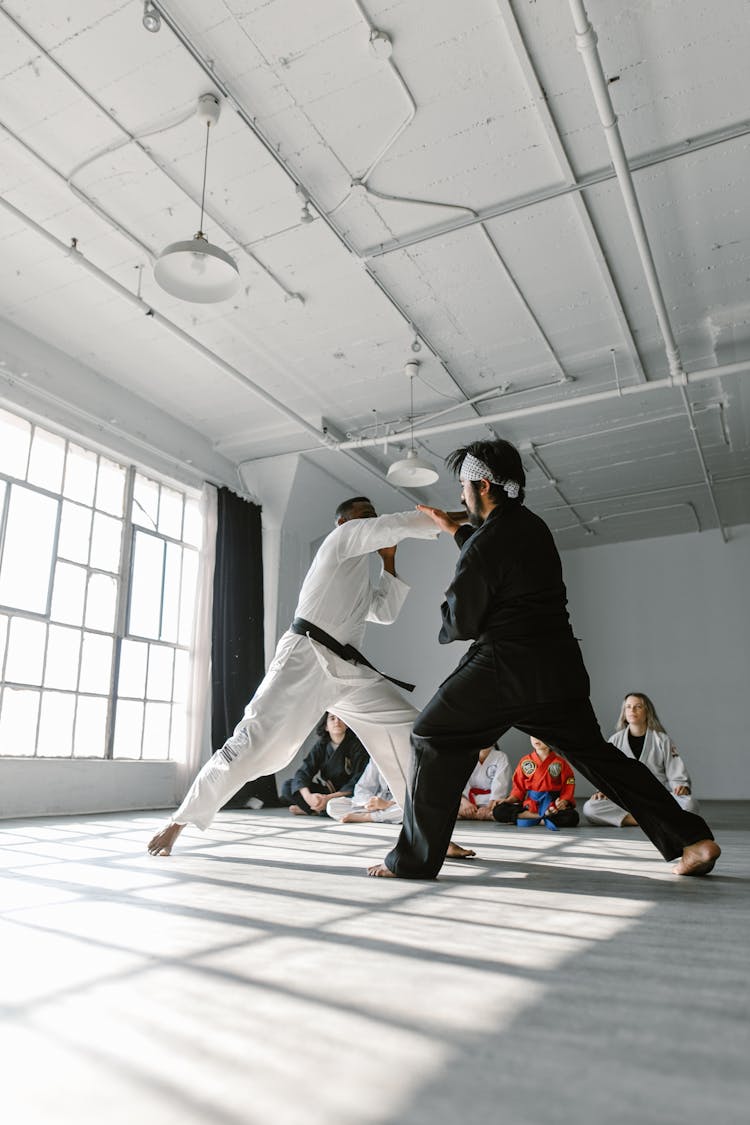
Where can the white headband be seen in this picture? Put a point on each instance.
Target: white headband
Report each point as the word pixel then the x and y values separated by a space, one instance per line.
pixel 474 469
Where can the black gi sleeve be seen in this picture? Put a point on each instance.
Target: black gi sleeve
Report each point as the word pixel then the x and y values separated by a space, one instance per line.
pixel 466 601
pixel 311 763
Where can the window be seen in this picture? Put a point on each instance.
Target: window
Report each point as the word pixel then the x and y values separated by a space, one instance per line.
pixel 98 574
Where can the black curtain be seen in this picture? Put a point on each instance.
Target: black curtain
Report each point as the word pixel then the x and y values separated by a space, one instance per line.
pixel 237 657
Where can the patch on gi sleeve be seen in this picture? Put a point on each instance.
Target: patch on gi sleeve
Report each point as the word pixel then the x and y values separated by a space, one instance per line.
pixel 555 769
pixel 528 767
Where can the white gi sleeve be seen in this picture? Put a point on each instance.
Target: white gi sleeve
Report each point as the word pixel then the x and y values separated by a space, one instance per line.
pixel 675 768
pixel 369 785
pixel 360 537
pixel 387 599
pixel 503 779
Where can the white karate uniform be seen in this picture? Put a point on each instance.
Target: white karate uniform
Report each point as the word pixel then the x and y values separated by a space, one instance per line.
pixel 305 679
pixel 371 784
pixel 495 774
pixel 660 755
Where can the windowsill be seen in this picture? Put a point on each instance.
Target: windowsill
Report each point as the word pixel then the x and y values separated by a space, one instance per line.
pixel 56 786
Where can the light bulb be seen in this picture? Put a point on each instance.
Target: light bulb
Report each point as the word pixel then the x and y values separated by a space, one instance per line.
pixel 151 18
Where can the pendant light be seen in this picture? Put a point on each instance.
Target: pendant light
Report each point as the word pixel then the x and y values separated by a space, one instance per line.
pixel 195 269
pixel 412 471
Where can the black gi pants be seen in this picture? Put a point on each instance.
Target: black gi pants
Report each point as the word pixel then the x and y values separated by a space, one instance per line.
pixel 466 714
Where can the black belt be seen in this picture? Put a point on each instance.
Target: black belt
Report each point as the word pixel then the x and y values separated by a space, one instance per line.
pixel 347 652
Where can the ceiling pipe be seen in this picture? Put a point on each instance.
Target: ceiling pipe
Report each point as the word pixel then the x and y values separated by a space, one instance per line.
pixel 572 401
pixel 207 66
pixel 324 439
pixel 593 179
pixel 636 512
pixel 586 42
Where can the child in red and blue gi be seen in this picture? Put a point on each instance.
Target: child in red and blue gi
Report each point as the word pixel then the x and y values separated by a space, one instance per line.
pixel 543 788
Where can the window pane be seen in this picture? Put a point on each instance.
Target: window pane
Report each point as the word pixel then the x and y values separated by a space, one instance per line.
pixel 27 552
pixel 63 650
pixel 170 612
pixel 181 667
pixel 80 474
pixel 3 635
pixel 68 594
pixel 156 731
pixel 106 538
pixel 18 718
pixel 25 651
pixel 145 594
pixel 193 530
pixel 159 672
pixel 187 597
pixel 101 603
pixel 96 663
pixel 170 513
pixel 56 725
pixel 110 487
pixel 128 729
pixel 178 736
pixel 47 460
pixel 15 437
pixel 145 502
pixel 91 727
pixel 75 531
pixel 132 678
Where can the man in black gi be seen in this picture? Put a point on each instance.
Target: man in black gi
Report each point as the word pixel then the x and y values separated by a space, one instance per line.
pixel 523 670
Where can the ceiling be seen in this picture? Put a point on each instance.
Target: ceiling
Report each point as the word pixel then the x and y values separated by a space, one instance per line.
pixel 462 192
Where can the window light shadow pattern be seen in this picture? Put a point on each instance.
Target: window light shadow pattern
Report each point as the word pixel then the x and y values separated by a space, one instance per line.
pixel 257 973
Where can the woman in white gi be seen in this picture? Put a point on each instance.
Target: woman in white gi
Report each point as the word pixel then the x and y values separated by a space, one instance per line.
pixel 490 781
pixel 371 802
pixel 307 677
pixel 640 735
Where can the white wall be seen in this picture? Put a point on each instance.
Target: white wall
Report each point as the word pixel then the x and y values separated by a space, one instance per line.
pixel 51 786
pixel 671 617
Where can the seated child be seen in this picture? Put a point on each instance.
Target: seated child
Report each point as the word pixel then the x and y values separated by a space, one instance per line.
pixel 543 788
pixel 337 760
pixel 488 784
pixel 372 801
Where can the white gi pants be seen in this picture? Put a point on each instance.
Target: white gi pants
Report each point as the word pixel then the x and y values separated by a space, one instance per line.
pixel 606 814
pixel 338 807
pixel 304 680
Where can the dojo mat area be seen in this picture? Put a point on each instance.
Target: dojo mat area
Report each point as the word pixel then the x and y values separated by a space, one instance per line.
pixel 257 976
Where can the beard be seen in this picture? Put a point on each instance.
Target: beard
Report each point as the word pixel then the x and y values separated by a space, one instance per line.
pixel 475 519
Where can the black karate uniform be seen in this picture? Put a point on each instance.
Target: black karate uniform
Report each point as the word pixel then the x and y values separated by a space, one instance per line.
pixel 339 768
pixel 524 670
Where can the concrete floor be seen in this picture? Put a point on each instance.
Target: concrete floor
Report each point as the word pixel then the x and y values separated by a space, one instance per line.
pixel 258 976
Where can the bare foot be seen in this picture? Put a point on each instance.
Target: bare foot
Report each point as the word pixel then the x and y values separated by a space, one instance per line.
pixel 163 842
pixel 455 851
pixel 356 818
pixel 698 859
pixel 297 811
pixel 380 871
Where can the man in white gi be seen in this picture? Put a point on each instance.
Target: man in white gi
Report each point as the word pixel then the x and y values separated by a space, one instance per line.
pixel 315 669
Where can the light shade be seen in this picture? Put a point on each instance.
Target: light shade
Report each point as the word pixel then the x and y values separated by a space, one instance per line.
pixel 413 472
pixel 197 271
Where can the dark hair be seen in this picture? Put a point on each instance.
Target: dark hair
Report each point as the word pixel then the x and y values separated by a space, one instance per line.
pixel 501 458
pixel 346 505
pixel 322 729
